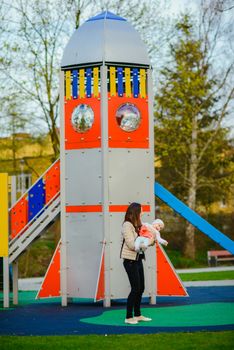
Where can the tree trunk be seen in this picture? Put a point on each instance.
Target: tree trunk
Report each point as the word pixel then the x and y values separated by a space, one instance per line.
pixel 54 135
pixel 55 142
pixel 13 135
pixel 189 248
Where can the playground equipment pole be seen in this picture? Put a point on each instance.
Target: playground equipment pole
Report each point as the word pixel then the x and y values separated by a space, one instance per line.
pixel 15 263
pixel 6 282
pixel 15 282
pixel 4 230
pixel 63 256
pixel 105 203
pixel 153 259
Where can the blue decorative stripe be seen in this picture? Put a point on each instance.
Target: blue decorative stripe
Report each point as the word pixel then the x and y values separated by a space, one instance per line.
pixel 88 81
pixel 120 81
pixel 36 199
pixel 74 83
pixel 135 82
pixel 106 15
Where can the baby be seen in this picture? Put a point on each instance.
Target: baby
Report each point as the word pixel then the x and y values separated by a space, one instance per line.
pixel 148 232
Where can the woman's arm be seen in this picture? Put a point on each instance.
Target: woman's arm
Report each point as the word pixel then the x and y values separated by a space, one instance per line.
pixel 129 235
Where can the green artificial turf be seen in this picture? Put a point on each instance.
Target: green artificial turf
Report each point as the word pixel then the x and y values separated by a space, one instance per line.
pixel 165 341
pixel 28 297
pixel 207 276
pixel 210 314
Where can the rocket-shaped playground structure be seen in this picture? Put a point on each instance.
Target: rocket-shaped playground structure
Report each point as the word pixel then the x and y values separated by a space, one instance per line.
pixel 106 162
pixel 107 154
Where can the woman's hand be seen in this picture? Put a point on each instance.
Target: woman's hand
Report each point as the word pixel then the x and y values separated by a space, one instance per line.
pixel 143 247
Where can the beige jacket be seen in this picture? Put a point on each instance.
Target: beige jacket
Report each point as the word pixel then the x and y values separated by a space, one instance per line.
pixel 128 239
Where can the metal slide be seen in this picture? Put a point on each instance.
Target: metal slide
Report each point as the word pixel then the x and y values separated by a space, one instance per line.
pixel 195 219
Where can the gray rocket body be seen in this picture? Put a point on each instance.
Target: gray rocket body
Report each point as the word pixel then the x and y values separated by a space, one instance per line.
pixel 107 159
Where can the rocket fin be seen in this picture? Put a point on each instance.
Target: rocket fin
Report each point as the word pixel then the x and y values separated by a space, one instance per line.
pixel 168 282
pixel 50 286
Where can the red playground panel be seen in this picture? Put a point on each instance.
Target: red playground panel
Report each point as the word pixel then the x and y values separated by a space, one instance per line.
pixel 52 181
pixel 51 284
pixel 168 282
pixel 19 217
pixel 100 292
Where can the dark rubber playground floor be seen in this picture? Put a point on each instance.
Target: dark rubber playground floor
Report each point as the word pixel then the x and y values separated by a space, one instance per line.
pixel 206 308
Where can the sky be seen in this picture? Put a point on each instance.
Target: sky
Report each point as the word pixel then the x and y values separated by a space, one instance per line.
pixel 178 6
pixel 174 8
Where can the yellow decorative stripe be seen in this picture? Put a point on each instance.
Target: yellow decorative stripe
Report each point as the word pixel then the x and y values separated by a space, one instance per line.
pixel 142 83
pixel 128 91
pixel 95 82
pixel 3 214
pixel 68 84
pixel 112 81
pixel 81 83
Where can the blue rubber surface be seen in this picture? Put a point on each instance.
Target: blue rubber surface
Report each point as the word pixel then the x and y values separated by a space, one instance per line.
pixel 52 319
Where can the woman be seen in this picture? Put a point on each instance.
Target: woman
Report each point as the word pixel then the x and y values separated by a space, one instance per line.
pixel 133 263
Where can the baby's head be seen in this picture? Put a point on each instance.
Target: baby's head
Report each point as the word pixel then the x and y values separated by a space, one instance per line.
pixel 158 224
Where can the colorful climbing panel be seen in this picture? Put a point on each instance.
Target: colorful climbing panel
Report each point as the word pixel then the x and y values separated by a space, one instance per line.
pixel 32 204
pixel 36 199
pixel 168 282
pixel 19 216
pixel 52 181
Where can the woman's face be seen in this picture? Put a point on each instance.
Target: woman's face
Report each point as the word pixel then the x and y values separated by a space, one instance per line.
pixel 141 212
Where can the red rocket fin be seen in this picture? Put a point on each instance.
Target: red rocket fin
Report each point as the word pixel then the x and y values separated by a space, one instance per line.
pixel 100 289
pixel 168 282
pixel 50 286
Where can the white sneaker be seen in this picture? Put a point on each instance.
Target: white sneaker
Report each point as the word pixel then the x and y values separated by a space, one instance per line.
pixel 142 318
pixel 131 321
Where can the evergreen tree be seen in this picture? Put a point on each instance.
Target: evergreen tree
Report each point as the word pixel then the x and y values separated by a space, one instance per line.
pixel 191 144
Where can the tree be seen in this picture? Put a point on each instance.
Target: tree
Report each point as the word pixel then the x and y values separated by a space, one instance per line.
pixel 33 45
pixel 190 140
pixel 12 122
pixel 31 62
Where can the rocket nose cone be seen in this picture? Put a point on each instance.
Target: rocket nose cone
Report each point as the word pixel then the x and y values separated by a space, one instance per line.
pixel 105 38
pixel 106 15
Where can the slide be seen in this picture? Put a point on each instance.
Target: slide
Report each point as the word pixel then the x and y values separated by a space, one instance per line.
pixel 195 219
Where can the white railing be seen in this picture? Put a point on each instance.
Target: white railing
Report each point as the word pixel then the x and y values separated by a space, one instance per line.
pixel 20 243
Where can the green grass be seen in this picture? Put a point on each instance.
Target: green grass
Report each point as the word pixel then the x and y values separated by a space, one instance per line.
pixel 181 262
pixel 207 276
pixel 166 341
